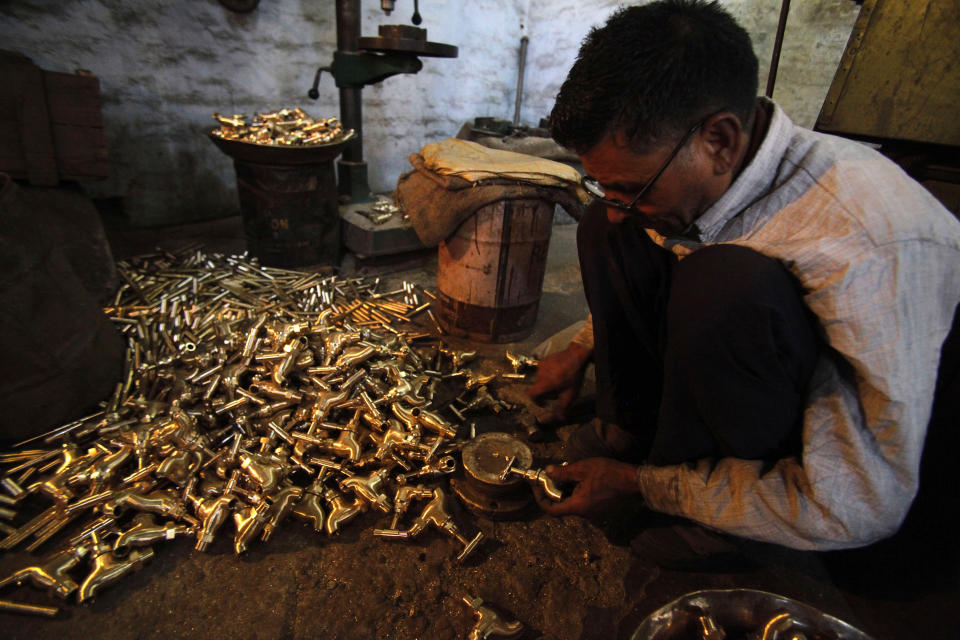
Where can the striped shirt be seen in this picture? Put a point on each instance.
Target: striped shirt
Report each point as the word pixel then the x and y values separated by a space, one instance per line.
pixel 878 259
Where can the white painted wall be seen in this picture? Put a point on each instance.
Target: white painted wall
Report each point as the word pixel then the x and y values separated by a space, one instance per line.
pixel 166 65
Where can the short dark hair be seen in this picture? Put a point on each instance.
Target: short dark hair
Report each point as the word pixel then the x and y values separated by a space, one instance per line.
pixel 651 71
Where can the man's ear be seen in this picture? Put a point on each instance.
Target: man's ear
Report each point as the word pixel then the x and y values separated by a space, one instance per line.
pixel 723 138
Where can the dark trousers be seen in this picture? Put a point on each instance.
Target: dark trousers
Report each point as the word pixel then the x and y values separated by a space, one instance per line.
pixel 706 357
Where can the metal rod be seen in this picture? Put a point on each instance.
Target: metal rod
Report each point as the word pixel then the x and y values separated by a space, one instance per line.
pixel 777 46
pixel 522 66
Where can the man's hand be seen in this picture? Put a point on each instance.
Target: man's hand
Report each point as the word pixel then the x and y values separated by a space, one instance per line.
pixel 600 482
pixel 563 372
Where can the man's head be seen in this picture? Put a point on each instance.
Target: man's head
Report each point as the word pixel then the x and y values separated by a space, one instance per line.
pixel 643 80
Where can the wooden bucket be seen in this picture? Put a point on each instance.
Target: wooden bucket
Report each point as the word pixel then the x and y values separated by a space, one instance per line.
pixel 490 271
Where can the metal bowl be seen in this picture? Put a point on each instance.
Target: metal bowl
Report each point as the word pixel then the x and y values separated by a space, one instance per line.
pixel 277 154
pixel 742 613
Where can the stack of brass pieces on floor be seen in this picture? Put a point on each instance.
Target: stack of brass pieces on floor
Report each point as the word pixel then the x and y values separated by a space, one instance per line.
pixel 250 394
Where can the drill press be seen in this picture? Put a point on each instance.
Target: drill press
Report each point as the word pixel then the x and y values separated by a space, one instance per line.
pixel 357 62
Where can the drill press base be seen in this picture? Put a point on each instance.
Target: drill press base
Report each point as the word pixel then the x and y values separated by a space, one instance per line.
pixel 367 239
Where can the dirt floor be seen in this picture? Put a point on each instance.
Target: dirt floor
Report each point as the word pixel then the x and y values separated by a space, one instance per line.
pixel 562 578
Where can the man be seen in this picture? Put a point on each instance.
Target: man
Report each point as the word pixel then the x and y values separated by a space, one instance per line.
pixel 768 304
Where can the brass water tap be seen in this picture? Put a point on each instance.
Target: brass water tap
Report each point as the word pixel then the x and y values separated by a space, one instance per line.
pixel 282 504
pixel 436 514
pixel 416 418
pixel 519 362
pixel 180 466
pixel 404 497
pixel 249 522
pixel 265 471
pixel 293 350
pixel 538 476
pixel 108 568
pixel 213 512
pixel 368 488
pixel 310 507
pixel 160 502
pixel 441 466
pixel 52 572
pixel 341 511
pixel 146 531
pixel 103 469
pixel 490 623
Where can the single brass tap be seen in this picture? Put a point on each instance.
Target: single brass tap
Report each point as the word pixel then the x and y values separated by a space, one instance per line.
pixel 441 466
pixel 310 507
pixel 490 623
pixel 180 466
pixel 368 488
pixel 519 362
pixel 249 522
pixel 145 531
pixel 282 504
pixel 404 497
pixel 436 514
pixel 213 512
pixel 341 511
pixel 52 572
pixel 538 476
pixel 108 568
pixel 415 418
pixel 266 471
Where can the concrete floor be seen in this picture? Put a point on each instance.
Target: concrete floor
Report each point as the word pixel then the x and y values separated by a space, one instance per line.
pixel 906 588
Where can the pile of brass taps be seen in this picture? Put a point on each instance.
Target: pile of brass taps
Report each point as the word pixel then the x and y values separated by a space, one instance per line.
pixel 250 394
pixel 286 127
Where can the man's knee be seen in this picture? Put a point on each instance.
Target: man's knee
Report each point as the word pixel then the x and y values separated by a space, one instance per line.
pixel 724 281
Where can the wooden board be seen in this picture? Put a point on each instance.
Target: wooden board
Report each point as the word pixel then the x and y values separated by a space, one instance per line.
pixel 51 124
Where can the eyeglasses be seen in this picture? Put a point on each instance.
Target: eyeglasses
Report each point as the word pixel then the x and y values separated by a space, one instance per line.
pixel 597 191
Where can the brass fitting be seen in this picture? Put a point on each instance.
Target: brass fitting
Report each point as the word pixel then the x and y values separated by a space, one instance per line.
pixel 180 466
pixel 52 573
pixel 145 531
pixel 519 362
pixel 537 476
pixel 415 418
pixel 442 466
pixel 108 568
pixel 436 514
pixel 213 512
pixel 266 471
pixel 249 522
pixel 404 497
pixel 282 504
pixel 368 488
pixel 310 507
pixel 341 511
pixel 490 623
